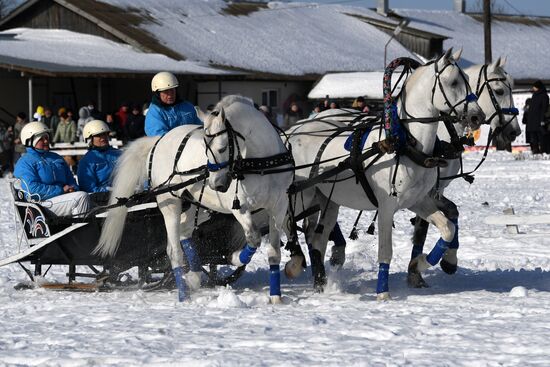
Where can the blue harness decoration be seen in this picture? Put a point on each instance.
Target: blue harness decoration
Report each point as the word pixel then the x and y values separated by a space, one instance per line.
pixel 348 143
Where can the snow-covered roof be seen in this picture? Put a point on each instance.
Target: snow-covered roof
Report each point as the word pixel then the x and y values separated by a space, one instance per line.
pixel 524 40
pixel 350 85
pixel 276 38
pixel 65 52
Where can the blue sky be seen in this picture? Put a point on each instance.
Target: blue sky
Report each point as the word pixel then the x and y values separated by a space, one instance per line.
pixel 524 7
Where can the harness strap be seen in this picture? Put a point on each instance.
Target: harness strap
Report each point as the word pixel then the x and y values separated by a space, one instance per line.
pixel 150 168
pixel 182 147
pixel 356 165
pixel 298 186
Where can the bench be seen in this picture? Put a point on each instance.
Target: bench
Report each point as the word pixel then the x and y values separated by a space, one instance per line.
pixel 512 221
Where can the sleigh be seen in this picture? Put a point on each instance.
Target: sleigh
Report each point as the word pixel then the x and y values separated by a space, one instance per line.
pixel 44 240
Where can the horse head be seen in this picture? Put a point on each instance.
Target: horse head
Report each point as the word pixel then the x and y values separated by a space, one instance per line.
pixel 219 142
pixel 493 86
pixel 451 92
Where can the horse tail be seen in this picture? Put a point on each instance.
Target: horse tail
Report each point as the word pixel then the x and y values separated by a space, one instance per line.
pixel 130 174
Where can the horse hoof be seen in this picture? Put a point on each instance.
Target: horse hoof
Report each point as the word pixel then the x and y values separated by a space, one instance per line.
pixel 338 256
pixel 275 300
pixel 447 267
pixel 235 259
pixel 193 280
pixel 415 280
pixel 384 296
pixel 294 268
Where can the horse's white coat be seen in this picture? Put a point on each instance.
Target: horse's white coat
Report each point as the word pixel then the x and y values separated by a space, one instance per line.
pixel 412 183
pixel 254 192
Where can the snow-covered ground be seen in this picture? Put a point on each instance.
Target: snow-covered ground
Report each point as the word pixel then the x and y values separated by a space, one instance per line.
pixel 493 312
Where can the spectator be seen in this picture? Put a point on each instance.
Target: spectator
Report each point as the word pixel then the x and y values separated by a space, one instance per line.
pixel 360 105
pixel 45 177
pixel 84 118
pixel 315 111
pixel 6 148
pixel 113 126
pixel 268 113
pixel 94 112
pixel 333 105
pixel 50 120
pixel 95 168
pixel 121 117
pixel 66 130
pixel 135 125
pixel 39 114
pixel 19 148
pixel 167 110
pixel 292 116
pixel 536 127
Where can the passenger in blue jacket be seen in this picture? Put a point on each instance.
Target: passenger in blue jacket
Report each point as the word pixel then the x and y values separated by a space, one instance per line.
pixel 45 176
pixel 166 110
pixel 95 168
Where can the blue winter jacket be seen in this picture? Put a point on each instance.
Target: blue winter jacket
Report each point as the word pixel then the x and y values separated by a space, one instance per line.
pixel 162 118
pixel 95 168
pixel 44 173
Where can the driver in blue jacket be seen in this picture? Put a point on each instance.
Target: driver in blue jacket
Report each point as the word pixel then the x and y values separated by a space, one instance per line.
pixel 167 110
pixel 45 176
pixel 95 168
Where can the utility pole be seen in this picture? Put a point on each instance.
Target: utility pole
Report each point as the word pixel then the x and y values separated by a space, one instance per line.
pixel 487 30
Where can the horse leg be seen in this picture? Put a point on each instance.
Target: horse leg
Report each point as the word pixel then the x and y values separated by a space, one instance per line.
pixel 385 251
pixel 428 210
pixel 297 261
pixel 338 255
pixel 253 239
pixel 276 219
pixel 318 244
pixel 170 208
pixel 193 268
pixel 449 261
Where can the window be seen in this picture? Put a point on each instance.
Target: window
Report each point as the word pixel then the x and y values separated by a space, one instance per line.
pixel 269 97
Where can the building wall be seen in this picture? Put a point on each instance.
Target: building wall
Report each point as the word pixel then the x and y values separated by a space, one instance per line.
pixel 209 92
pixel 49 15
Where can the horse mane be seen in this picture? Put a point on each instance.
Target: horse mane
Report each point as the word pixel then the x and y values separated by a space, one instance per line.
pixel 233 98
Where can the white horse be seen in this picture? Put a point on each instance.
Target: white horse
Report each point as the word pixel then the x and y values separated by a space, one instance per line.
pixel 493 86
pixel 237 142
pixel 434 88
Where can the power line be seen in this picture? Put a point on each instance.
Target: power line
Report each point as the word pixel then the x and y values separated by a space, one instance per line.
pixel 513 7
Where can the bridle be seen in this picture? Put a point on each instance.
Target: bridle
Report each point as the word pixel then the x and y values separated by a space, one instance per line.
pixel 469 98
pixel 232 143
pixel 499 111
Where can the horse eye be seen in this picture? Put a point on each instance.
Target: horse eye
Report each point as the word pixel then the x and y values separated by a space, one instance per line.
pixel 454 83
pixel 222 150
pixel 499 92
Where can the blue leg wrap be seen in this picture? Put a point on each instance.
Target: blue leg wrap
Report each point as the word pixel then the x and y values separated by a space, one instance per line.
pixel 454 242
pixel 416 250
pixel 191 254
pixel 246 254
pixel 274 280
pixel 383 275
pixel 180 283
pixel 336 236
pixel 437 252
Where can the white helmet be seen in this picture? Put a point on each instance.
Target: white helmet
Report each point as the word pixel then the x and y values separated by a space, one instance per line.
pixel 31 131
pixel 95 127
pixel 163 81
